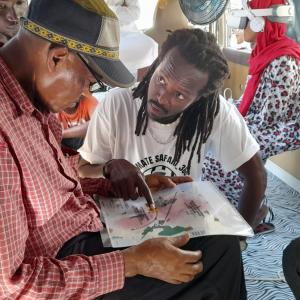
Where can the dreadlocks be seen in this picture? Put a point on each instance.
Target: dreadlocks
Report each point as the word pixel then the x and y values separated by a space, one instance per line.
pixel 199 49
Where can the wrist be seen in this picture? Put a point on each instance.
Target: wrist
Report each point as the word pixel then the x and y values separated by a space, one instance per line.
pixel 130 266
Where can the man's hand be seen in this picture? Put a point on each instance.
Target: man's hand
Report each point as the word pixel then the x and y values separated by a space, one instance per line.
pixel 157 182
pixel 127 180
pixel 162 258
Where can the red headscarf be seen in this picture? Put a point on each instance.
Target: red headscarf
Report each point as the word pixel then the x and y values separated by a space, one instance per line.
pixel 270 44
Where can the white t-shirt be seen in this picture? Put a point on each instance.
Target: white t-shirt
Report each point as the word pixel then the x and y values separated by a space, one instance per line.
pixel 111 135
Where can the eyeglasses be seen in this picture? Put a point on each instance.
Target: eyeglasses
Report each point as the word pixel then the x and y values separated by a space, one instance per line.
pixel 96 87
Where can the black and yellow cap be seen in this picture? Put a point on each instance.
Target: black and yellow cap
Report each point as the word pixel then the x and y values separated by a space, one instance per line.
pixel 88 27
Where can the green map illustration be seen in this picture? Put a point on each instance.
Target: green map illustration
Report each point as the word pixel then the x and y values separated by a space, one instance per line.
pixel 166 230
pixel 197 208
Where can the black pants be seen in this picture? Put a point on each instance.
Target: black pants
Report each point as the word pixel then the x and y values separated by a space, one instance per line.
pixel 291 266
pixel 221 279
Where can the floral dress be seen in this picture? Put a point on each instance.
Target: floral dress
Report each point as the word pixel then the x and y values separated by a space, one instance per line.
pixel 273 119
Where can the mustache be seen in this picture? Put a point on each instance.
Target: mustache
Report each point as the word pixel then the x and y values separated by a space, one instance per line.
pixel 158 105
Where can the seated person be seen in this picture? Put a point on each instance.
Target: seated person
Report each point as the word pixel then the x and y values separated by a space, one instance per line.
pixel 270 103
pixel 49 229
pixel 173 119
pixel 10 13
pixel 137 50
pixel 238 41
pixel 75 120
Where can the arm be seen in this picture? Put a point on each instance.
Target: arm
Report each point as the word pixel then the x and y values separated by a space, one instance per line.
pixel 255 182
pixel 78 131
pixel 128 13
pixel 88 170
pixel 275 123
pixel 234 147
pixel 75 277
pixel 125 180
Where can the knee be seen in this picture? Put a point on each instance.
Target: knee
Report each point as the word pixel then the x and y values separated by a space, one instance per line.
pixel 218 244
pixel 293 247
pixel 226 245
pixel 226 249
pixel 230 243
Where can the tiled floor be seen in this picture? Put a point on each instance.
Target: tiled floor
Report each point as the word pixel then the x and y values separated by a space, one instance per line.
pixel 262 259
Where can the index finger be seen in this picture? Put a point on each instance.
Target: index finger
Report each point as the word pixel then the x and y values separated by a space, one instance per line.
pixel 145 191
pixel 180 179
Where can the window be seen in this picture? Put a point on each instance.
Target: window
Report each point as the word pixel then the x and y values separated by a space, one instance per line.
pixel 147 11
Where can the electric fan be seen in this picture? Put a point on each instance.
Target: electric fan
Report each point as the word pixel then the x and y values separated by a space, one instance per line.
pixel 202 12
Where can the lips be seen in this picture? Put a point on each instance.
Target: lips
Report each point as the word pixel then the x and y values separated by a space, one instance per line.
pixel 154 110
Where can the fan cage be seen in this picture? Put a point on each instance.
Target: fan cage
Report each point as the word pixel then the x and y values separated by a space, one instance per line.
pixel 203 12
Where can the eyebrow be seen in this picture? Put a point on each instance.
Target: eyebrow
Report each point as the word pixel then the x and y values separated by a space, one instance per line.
pixel 185 89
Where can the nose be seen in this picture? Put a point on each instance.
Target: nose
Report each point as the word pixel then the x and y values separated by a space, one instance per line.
pixel 11 15
pixel 162 96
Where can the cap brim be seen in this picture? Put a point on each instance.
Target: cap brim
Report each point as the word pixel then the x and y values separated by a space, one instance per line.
pixel 111 72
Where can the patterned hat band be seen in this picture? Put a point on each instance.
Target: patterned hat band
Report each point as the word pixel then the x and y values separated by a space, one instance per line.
pixel 67 42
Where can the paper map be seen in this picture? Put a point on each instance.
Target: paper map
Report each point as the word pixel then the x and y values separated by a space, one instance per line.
pixel 197 208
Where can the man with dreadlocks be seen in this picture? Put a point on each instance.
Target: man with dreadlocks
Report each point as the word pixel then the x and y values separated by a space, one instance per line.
pixel 171 120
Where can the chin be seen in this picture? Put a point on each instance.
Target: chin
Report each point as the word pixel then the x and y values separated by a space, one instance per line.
pixel 153 117
pixel 54 109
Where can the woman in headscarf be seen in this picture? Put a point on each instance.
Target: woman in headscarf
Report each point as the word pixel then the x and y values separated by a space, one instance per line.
pixel 270 103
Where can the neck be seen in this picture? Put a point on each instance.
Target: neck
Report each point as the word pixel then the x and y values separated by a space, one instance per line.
pixel 168 120
pixel 20 67
pixel 72 109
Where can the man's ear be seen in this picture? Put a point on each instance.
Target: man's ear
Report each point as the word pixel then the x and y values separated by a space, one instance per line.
pixel 57 57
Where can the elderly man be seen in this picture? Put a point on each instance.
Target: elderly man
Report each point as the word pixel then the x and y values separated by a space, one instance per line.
pixel 49 229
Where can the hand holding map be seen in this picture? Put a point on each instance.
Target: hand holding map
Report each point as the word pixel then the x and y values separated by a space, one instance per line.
pixel 196 207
